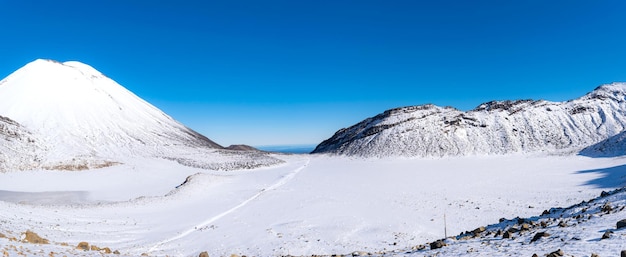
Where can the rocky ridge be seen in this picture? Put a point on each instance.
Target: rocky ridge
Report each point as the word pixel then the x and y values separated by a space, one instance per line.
pixel 496 127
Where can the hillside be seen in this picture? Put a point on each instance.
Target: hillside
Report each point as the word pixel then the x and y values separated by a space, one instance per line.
pixel 497 127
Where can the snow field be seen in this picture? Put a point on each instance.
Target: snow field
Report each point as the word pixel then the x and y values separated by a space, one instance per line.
pixel 309 205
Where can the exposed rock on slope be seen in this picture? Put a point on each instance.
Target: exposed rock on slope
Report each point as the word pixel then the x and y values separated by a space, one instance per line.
pixel 496 127
pixel 83 119
pixel 18 147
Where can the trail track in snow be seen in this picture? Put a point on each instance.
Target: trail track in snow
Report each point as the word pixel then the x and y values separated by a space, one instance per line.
pixel 281 182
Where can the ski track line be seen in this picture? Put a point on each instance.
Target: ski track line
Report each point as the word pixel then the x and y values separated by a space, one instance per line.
pixel 274 186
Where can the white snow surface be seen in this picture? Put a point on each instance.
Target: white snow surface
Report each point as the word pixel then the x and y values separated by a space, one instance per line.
pixel 497 127
pixel 77 118
pixel 311 204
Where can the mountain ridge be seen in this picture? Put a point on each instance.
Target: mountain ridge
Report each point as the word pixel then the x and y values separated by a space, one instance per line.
pixel 495 127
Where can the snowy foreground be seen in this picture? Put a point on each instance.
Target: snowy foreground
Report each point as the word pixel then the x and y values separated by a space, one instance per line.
pixel 315 204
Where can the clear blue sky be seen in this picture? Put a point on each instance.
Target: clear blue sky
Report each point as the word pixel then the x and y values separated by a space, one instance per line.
pixel 294 72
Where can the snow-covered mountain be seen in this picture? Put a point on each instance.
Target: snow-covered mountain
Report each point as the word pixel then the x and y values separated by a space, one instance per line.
pixel 496 127
pixel 82 119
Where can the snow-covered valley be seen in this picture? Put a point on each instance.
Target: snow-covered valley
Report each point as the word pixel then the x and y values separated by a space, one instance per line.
pixel 311 204
pixel 87 168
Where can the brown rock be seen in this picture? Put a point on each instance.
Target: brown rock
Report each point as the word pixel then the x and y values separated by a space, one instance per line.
pixel 535 255
pixel 563 224
pixel 607 235
pixel 116 252
pixel 94 248
pixel 106 250
pixel 607 207
pixel 204 254
pixel 595 255
pixel 83 246
pixel 525 226
pixel 33 238
pixel 478 231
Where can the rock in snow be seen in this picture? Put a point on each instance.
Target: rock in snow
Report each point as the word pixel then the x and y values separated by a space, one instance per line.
pixel 70 116
pixel 497 127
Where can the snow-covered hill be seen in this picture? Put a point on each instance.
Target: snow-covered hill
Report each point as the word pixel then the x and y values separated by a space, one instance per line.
pixel 496 127
pixel 83 119
pixel 611 147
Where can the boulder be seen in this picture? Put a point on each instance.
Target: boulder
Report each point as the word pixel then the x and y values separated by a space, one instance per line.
pixel 204 254
pixel 607 235
pixel 623 253
pixel 621 224
pixel 437 244
pixel 83 246
pixel 539 236
pixel 478 231
pixel 556 253
pixel 33 238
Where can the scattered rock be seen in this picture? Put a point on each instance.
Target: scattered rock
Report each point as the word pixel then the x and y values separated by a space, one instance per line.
pixel 116 252
pixel 607 234
pixel 535 255
pixel 545 212
pixel 621 224
pixel 418 247
pixel 595 255
pixel 94 248
pixel 539 236
pixel 106 250
pixel 33 238
pixel 543 224
pixel 563 224
pixel 437 244
pixel 83 246
pixel 478 231
pixel 556 253
pixel 507 234
pixel 2 236
pixel 607 207
pixel 204 254
pixel 359 253
pixel 525 226
pixel 604 194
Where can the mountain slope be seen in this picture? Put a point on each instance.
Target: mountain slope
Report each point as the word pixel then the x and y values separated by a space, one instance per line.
pixel 611 147
pixel 17 145
pixel 85 119
pixel 496 127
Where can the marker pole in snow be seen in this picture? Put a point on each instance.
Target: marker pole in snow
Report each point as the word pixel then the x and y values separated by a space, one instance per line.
pixel 445 226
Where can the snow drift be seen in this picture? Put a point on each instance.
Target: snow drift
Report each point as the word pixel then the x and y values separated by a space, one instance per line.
pixel 82 119
pixel 497 127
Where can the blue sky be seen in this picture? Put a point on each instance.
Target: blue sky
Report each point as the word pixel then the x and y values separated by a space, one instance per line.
pixel 294 72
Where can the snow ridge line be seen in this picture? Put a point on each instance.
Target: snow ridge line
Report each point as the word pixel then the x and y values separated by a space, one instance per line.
pixel 282 181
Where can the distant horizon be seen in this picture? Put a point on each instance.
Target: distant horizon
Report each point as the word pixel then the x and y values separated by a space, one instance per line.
pixel 294 72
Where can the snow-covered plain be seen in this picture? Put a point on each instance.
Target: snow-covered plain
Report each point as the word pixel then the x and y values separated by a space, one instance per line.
pixel 311 204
